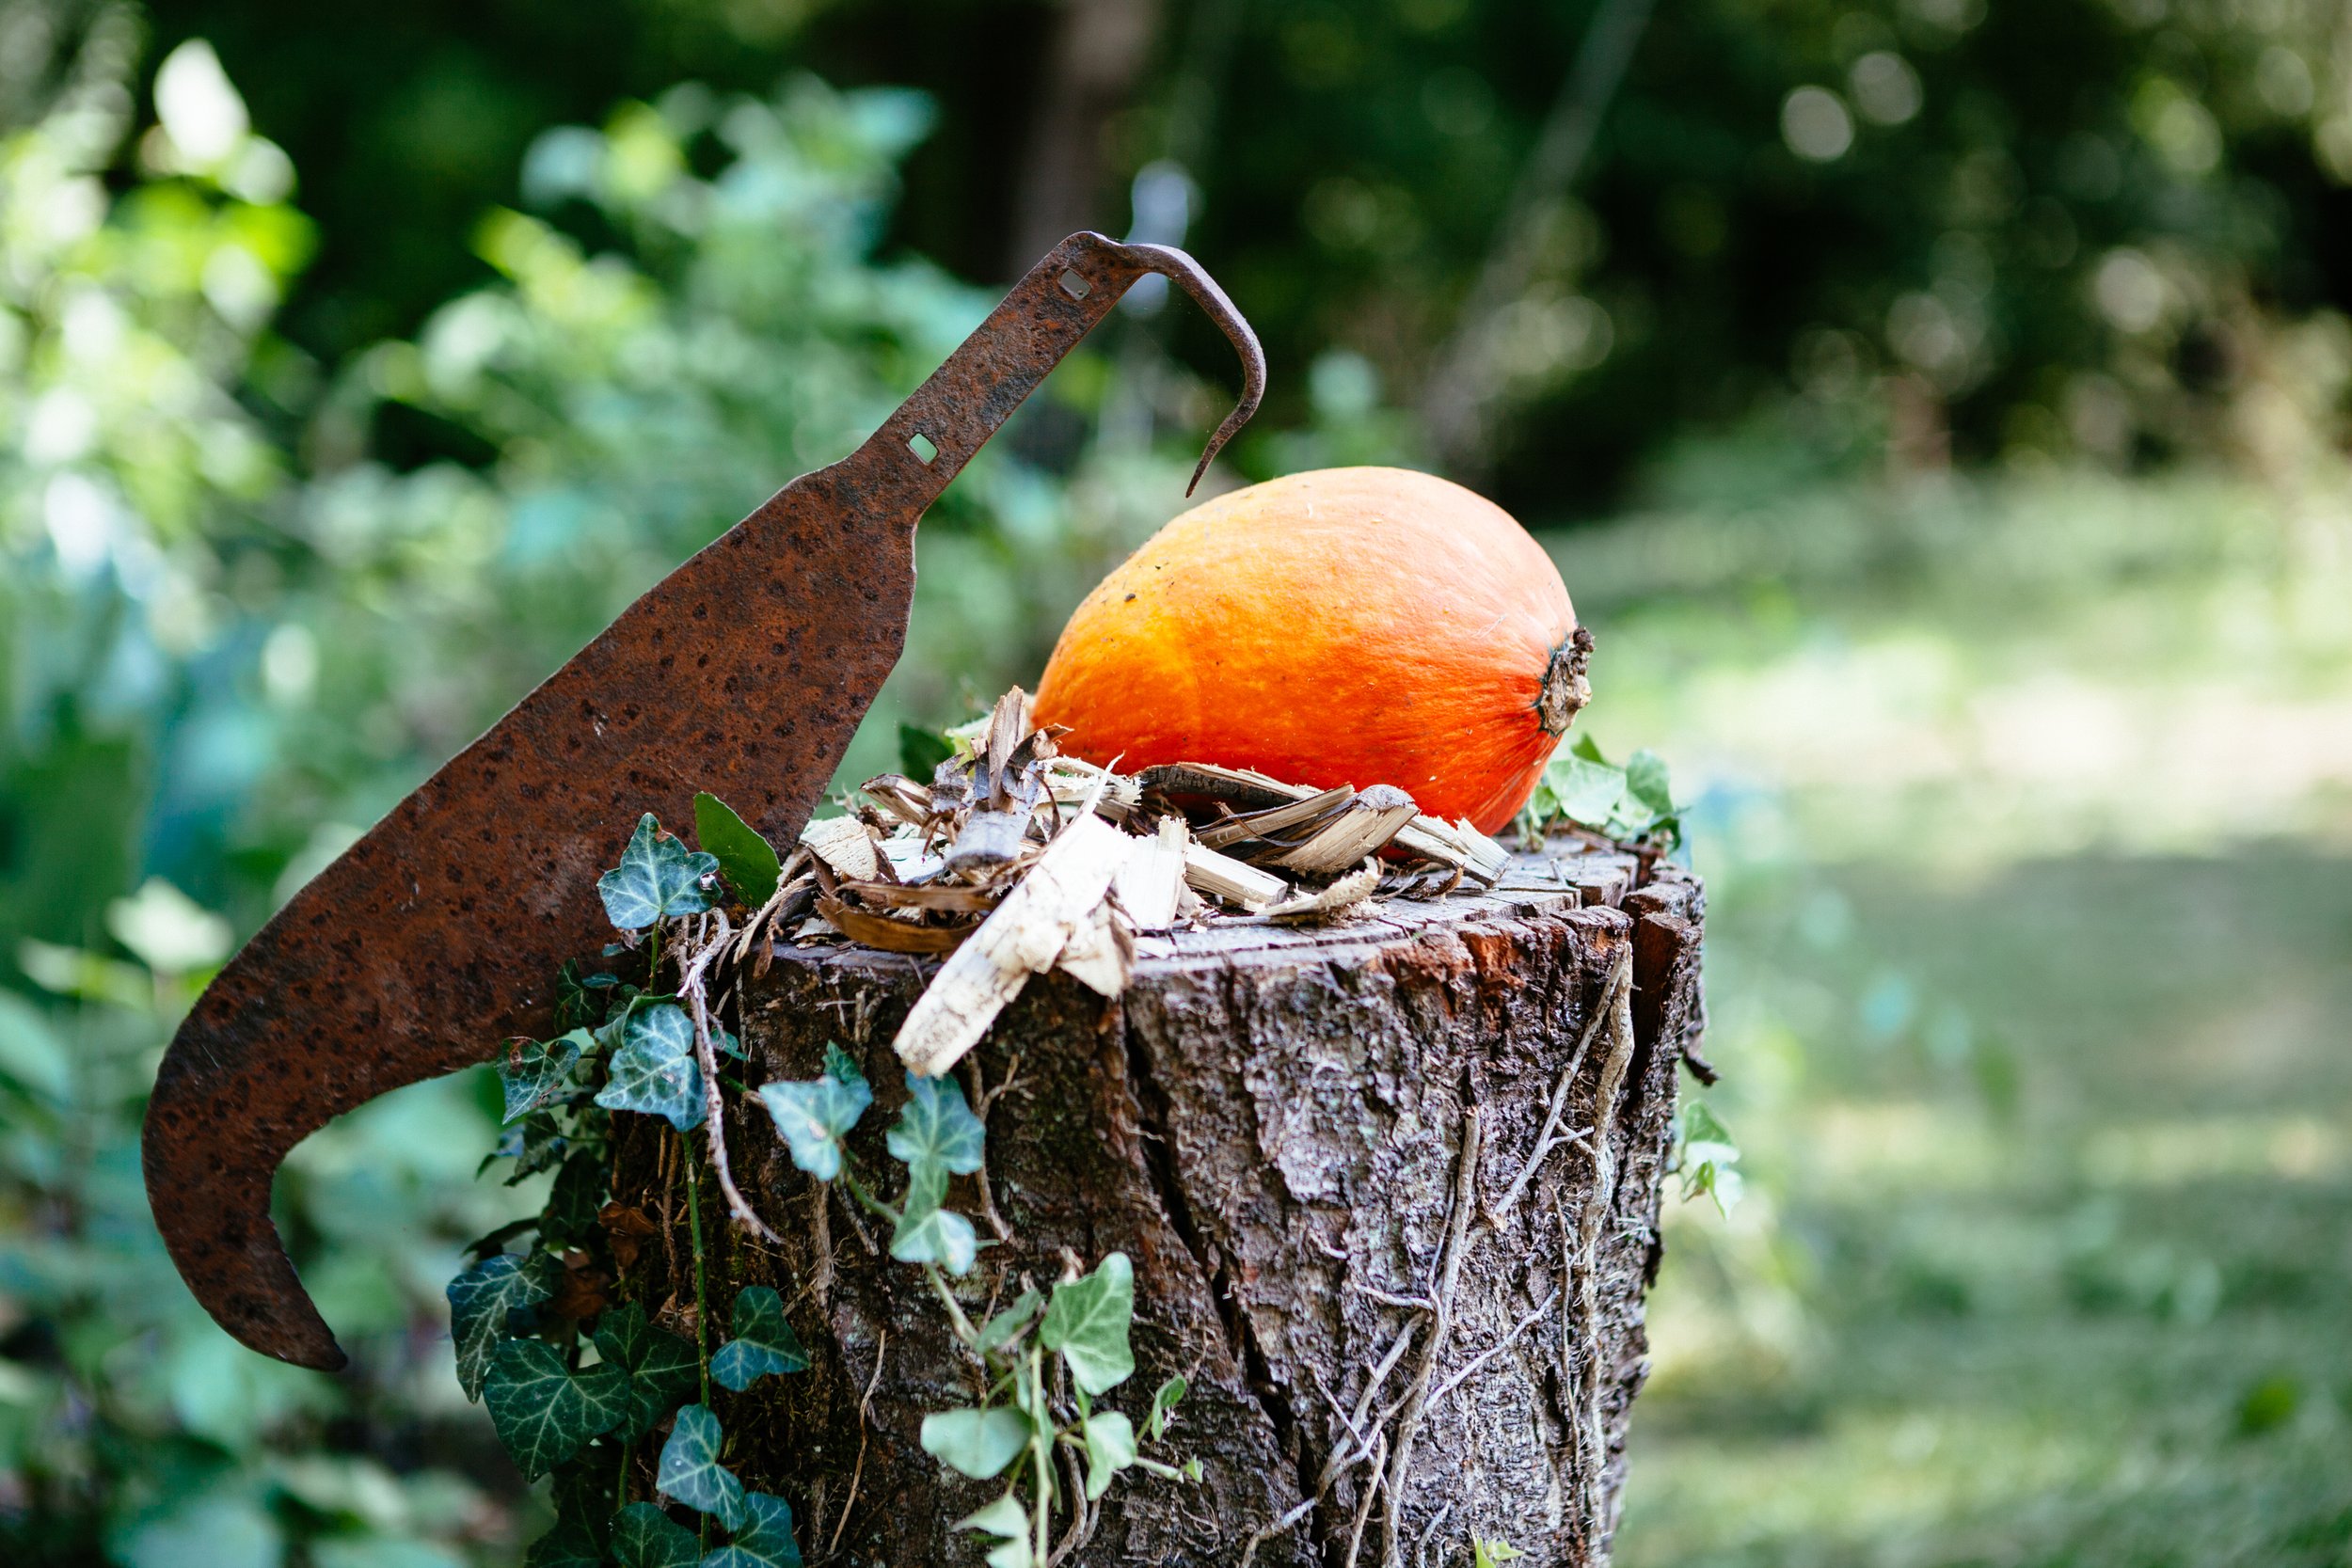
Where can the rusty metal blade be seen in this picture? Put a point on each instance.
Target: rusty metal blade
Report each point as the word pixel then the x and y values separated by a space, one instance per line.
pixel 438 934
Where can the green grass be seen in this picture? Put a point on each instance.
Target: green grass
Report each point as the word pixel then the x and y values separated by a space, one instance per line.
pixel 2041 1064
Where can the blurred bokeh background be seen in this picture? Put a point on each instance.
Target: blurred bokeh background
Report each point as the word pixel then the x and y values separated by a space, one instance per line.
pixel 1937 408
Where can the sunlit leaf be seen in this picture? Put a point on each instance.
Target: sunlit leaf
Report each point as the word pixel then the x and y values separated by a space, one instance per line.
pixel 1005 1518
pixel 814 1117
pixel 655 1070
pixel 936 1129
pixel 976 1443
pixel 1007 1325
pixel 1086 1323
pixel 1110 1440
pixel 1162 1403
pixel 657 879
pixel 746 859
pixel 927 1234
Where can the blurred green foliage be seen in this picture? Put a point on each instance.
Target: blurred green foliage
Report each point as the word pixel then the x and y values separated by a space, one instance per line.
pixel 290 508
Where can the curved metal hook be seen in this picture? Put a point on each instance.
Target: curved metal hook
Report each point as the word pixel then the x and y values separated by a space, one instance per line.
pixel 1186 273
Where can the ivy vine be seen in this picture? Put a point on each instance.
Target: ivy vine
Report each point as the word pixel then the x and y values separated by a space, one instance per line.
pixel 578 1379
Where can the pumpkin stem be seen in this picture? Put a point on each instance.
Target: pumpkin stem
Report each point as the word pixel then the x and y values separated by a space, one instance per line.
pixel 1566 690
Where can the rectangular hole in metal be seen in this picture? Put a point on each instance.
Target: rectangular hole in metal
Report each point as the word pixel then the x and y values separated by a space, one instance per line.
pixel 1076 286
pixel 923 447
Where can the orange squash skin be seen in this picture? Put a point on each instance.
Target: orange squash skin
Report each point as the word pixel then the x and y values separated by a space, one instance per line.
pixel 1345 626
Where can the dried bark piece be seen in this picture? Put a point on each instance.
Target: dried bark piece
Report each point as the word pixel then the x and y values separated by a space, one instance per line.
pixel 899 796
pixel 1231 881
pixel 988 842
pixel 1309 813
pixel 1366 825
pixel 1023 937
pixel 1238 788
pixel 1455 844
pixel 889 933
pixel 1326 904
pixel 844 843
pixel 948 898
pixel 1102 953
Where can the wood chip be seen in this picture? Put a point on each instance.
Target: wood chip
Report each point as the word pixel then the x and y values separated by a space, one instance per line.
pixel 1023 937
pixel 1455 844
pixel 990 840
pixel 843 844
pixel 889 933
pixel 1238 788
pixel 1150 879
pixel 1310 814
pixel 1231 881
pixel 1367 824
pixel 899 797
pixel 1325 905
pixel 952 898
pixel 1102 953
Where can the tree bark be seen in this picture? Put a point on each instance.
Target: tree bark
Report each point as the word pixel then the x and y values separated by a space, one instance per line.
pixel 1356 1223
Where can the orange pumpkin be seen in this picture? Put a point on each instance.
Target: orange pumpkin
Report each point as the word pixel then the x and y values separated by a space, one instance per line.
pixel 1346 627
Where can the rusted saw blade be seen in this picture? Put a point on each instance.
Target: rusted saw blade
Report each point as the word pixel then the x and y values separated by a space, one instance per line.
pixel 437 935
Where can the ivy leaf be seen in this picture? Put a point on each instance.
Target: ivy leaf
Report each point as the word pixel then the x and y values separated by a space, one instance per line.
pixel 764 1343
pixel 569 1545
pixel 1587 791
pixel 482 1299
pixel 655 1070
pixel 581 1491
pixel 658 877
pixel 662 1368
pixel 927 1234
pixel 1162 1402
pixel 814 1117
pixel 544 1411
pixel 1491 1554
pixel 1087 1321
pixel 579 998
pixel 575 1201
pixel 937 1129
pixel 536 1071
pixel 840 1064
pixel 535 1144
pixel 976 1443
pixel 1646 780
pixel 690 1472
pixel 1002 1329
pixel 1110 1440
pixel 746 859
pixel 644 1536
pixel 1709 1159
pixel 765 1540
pixel 1007 1519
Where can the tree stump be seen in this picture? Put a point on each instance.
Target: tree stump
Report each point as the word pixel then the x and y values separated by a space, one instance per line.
pixel 1354 1168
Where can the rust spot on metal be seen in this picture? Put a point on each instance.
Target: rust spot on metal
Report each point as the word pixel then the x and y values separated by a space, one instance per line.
pixel 437 935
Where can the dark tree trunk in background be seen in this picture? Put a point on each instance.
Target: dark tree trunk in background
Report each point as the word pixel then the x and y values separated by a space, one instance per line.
pixel 1311 1144
pixel 1100 50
